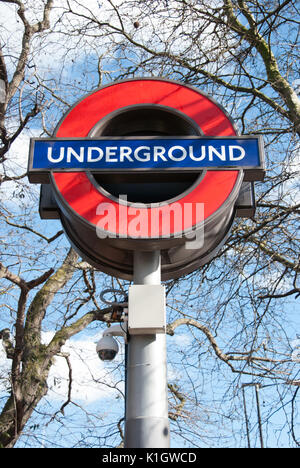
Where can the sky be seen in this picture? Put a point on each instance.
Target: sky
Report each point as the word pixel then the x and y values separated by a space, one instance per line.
pixel 93 380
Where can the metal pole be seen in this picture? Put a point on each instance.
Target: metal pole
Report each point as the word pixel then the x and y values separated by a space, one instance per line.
pixel 257 387
pixel 246 417
pixel 147 423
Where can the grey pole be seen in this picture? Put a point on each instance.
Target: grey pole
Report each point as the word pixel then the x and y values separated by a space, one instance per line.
pixel 257 387
pixel 147 424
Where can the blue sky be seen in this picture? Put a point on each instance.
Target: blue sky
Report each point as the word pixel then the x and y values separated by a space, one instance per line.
pixel 214 393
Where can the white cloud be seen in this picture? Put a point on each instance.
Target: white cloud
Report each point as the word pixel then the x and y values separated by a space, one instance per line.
pixel 16 165
pixel 92 379
pixel 182 341
pixel 17 156
pixel 291 188
pixel 175 344
pixel 5 365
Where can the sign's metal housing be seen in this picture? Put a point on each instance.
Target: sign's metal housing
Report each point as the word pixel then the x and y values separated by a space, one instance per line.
pixel 158 108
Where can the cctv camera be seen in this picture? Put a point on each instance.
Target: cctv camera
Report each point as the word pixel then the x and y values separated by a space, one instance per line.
pixel 107 348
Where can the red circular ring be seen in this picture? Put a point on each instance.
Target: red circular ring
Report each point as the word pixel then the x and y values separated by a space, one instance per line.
pixel 83 197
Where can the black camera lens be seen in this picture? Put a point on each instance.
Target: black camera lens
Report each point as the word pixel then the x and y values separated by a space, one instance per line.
pixel 107 354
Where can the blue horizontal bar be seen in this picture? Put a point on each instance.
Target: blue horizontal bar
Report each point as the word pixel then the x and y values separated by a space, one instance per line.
pixel 145 153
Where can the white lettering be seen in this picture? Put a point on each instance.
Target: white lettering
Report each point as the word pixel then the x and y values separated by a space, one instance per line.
pixel 177 158
pixel 123 222
pixel 150 459
pixel 60 157
pixel 158 152
pixel 139 224
pixel 237 157
pixel 118 458
pixel 71 152
pixel 145 154
pixel 137 221
pixel 194 236
pixel 111 151
pixel 90 156
pixel 161 220
pixel 125 152
pixel 157 155
pixel 199 158
pixel 106 226
pixel 172 457
pixel 212 150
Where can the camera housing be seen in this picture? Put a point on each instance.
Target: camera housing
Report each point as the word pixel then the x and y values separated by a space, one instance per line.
pixel 107 348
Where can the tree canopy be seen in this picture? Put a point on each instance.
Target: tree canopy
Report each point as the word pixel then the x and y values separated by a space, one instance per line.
pixel 232 324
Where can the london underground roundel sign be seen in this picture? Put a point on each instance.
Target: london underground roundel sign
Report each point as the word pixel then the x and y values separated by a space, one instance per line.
pixel 146 164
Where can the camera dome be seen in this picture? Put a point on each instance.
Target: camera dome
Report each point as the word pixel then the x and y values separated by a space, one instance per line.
pixel 107 348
